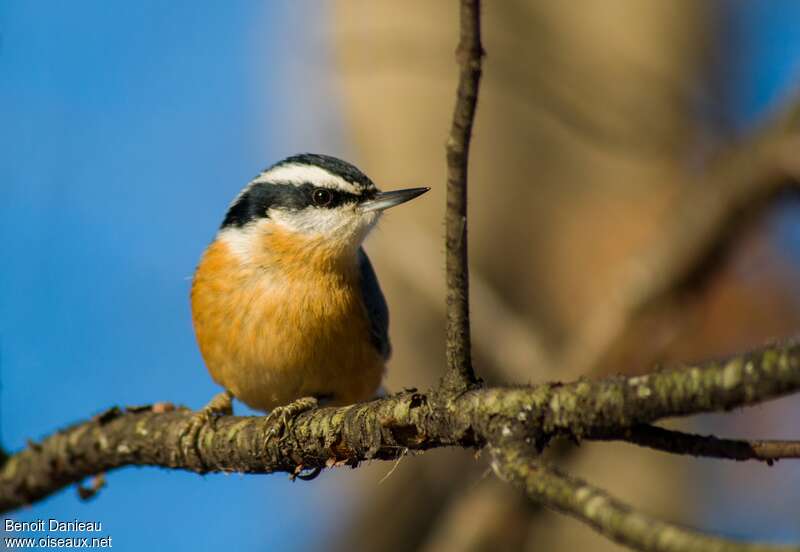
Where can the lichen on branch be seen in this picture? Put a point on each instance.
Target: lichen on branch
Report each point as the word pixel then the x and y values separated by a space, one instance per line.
pixel 387 428
pixel 606 514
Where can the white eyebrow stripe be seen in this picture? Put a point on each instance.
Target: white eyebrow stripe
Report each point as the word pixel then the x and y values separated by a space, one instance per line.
pixel 298 174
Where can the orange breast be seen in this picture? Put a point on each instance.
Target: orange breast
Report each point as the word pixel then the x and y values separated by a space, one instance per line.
pixel 283 323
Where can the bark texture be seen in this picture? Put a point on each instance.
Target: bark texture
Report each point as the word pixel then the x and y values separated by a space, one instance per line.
pixel 460 374
pixel 385 429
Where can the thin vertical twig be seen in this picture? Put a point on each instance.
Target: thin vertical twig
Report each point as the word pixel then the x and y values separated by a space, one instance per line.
pixel 469 55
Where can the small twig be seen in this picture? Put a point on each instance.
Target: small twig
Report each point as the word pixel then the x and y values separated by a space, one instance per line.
pixel 609 516
pixel 460 375
pixel 678 442
pixel 394 466
pixel 97 483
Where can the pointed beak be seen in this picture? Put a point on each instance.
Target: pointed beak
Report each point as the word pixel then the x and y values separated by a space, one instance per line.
pixel 384 200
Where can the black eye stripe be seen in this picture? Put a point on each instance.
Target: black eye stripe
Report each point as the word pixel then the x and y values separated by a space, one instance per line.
pixel 261 197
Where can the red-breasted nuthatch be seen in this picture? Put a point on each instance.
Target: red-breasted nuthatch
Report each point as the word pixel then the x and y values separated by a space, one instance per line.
pixel 285 302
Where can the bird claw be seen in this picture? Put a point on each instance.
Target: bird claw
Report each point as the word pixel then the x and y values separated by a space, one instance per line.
pixel 220 405
pixel 281 417
pixel 306 474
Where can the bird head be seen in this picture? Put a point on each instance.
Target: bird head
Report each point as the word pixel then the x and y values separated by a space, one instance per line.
pixel 312 196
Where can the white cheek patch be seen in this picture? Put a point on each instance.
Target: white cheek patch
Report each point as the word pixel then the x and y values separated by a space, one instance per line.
pixel 335 225
pixel 342 224
pixel 239 240
pixel 326 222
pixel 243 241
pixel 369 220
pixel 300 174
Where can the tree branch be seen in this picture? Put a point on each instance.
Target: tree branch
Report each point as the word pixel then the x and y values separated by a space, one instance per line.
pixel 388 428
pixel 606 514
pixel 678 442
pixel 460 375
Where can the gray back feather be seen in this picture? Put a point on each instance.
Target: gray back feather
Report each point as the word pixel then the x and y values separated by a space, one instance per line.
pixel 377 311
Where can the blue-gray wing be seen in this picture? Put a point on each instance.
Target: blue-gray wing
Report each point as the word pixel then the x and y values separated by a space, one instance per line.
pixel 377 311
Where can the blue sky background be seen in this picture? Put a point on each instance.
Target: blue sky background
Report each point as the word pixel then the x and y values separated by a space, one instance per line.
pixel 125 130
pixel 127 127
pixel 762 47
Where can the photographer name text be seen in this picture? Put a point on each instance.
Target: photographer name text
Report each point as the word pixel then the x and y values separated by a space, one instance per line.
pixel 51 524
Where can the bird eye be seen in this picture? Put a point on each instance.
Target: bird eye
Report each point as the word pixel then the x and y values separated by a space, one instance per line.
pixel 322 197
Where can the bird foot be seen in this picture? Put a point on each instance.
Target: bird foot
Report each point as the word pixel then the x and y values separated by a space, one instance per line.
pixel 220 405
pixel 281 417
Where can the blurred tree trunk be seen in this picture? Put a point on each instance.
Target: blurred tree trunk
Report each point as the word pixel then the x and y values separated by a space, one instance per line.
pixel 591 120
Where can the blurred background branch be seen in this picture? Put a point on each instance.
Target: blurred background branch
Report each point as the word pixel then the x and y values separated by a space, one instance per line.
pixel 726 196
pixel 602 220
